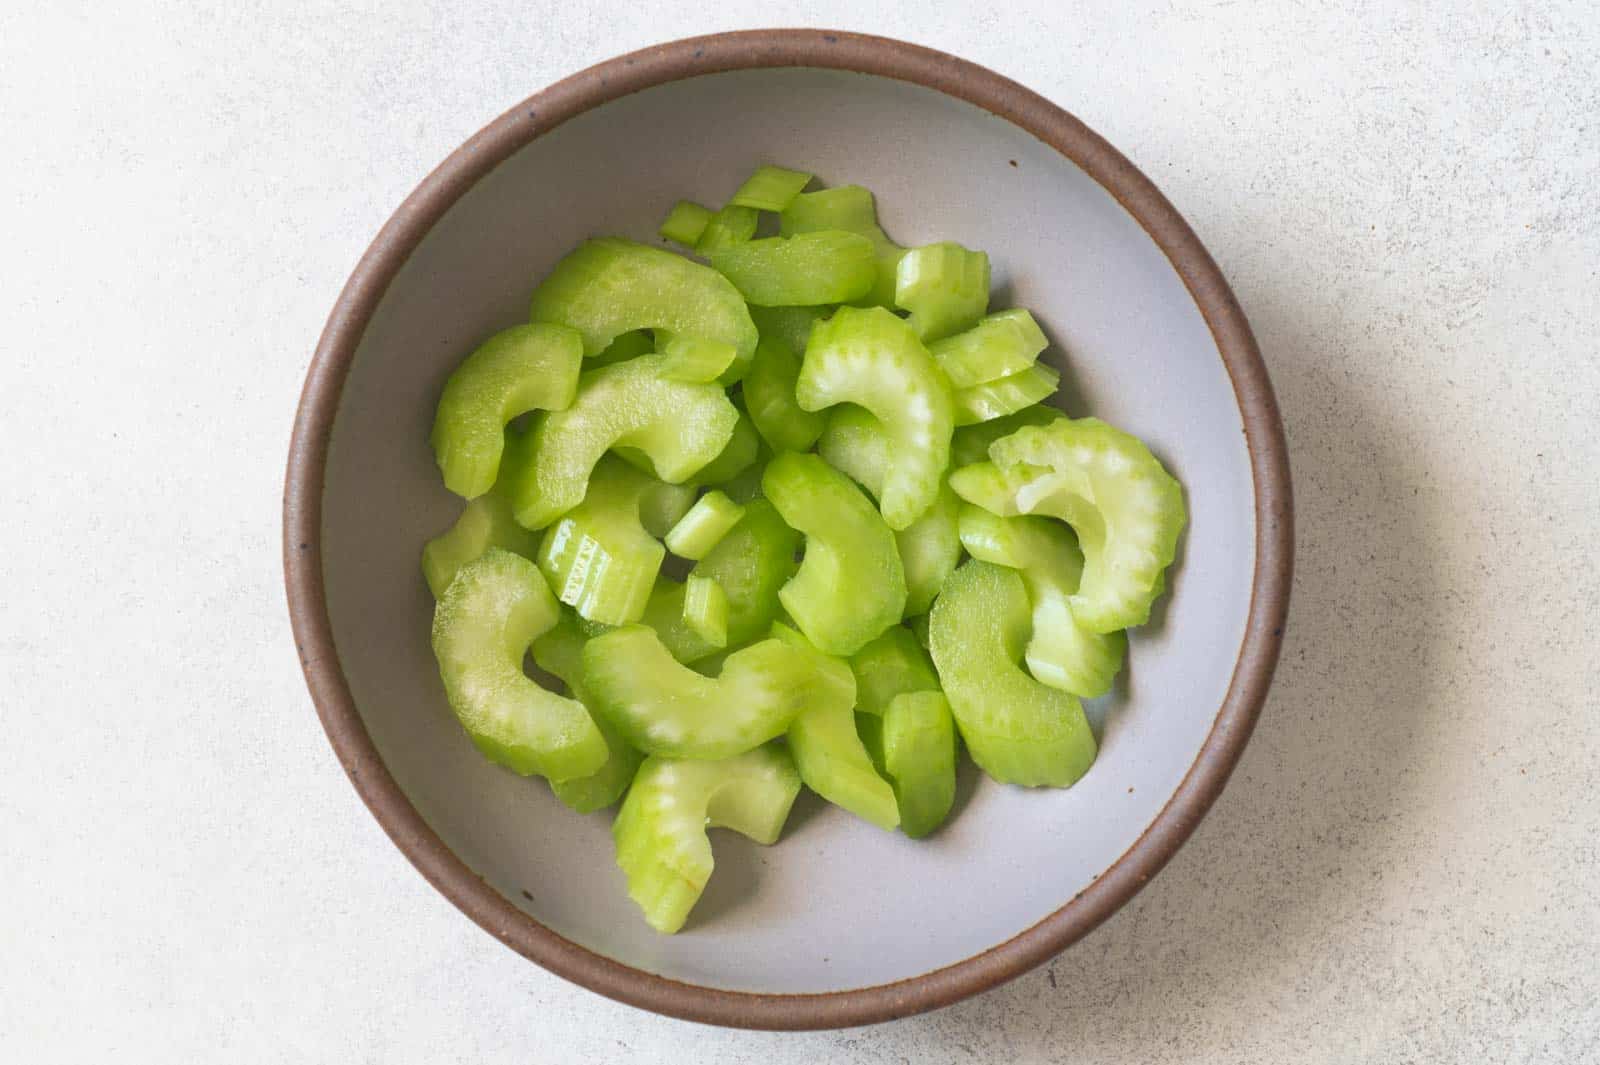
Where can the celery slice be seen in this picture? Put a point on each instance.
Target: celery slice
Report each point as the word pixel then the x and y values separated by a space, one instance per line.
pixel 685 223
pixel 691 359
pixel 486 522
pixel 919 758
pixel 790 325
pixel 559 652
pixel 891 665
pixel 730 226
pixel 850 208
pixel 996 399
pixel 970 443
pixel 829 266
pixel 1000 345
pixel 705 610
pixel 944 286
pixel 769 396
pixel 711 518
pixel 771 188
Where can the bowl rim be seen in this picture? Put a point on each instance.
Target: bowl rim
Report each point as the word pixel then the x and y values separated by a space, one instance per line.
pixel 717 53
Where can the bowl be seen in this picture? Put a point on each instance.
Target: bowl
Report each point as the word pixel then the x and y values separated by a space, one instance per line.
pixel 840 923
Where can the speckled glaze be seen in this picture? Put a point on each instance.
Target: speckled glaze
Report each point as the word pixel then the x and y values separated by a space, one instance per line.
pixel 840 924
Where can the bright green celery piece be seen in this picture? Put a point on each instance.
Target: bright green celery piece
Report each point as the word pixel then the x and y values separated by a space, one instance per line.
pixel 731 225
pixel 791 325
pixel 526 367
pixel 559 652
pixel 611 286
pixel 660 832
pixel 482 627
pixel 828 266
pixel 711 518
pixel 741 452
pixel 663 707
pixel 486 522
pixel 826 747
pixel 1000 345
pixel 1018 730
pixel 680 426
pixel 692 359
pixel 918 737
pixel 996 399
pixel 891 665
pixel 851 584
pixel 770 399
pixel 771 188
pixel 850 208
pixel 970 443
pixel 685 223
pixel 705 610
pixel 944 286
pixel 626 346
pixel 599 557
pixel 872 358
pixel 1061 653
pixel 1127 510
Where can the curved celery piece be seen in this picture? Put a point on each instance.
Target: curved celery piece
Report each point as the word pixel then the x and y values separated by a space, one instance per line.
pixel 685 223
pixel 919 757
pixel 1061 653
pixel 705 610
pixel 741 451
pixel 828 266
pixel 944 286
pixel 526 367
pixel 559 652
pixel 870 357
pixel 599 558
pixel 486 522
pixel 1126 508
pixel 482 627
pixel 660 832
pixel 1000 345
pixel 611 286
pixel 663 707
pixel 891 665
pixel 1018 730
pixel 851 585
pixel 769 397
pixel 711 518
pixel 850 208
pixel 791 325
pixel 627 346
pixel 970 443
pixel 730 226
pixel 827 749
pixel 680 426
pixel 855 443
pixel 692 359
pixel 996 399
pixel 771 188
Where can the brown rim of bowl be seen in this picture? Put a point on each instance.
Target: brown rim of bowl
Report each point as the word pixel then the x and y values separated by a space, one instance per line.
pixel 308 451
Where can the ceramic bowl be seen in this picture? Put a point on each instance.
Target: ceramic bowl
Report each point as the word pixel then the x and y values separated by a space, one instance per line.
pixel 841 923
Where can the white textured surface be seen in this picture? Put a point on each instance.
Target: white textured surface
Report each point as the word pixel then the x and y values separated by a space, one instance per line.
pixel 1404 866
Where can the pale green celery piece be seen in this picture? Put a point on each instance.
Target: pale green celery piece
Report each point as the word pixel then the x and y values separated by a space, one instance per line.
pixel 850 586
pixel 970 443
pixel 685 223
pixel 560 652
pixel 742 452
pixel 1018 730
pixel 691 359
pixel 612 286
pixel 872 358
pixel 1000 345
pixel 705 610
pixel 599 558
pixel 855 443
pixel 486 522
pixel 626 346
pixel 731 225
pixel 850 208
pixel 891 665
pixel 524 368
pixel 829 266
pixel 790 325
pixel 919 758
pixel 1061 653
pixel 771 188
pixel 660 832
pixel 996 399
pixel 482 627
pixel 711 518
pixel 681 427
pixel 769 397
pixel 944 286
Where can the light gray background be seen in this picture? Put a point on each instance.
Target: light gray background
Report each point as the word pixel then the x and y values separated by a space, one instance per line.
pixel 1404 866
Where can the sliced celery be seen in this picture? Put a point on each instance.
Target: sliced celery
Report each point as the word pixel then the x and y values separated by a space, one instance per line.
pixel 486 522
pixel 791 325
pixel 526 367
pixel 482 627
pixel 996 399
pixel 1000 345
pixel 850 208
pixel 919 758
pixel 829 266
pixel 685 223
pixel 770 398
pixel 771 188
pixel 692 359
pixel 559 652
pixel 970 443
pixel 728 227
pixel 944 286
pixel 855 443
pixel 705 610
pixel 891 665
pixel 711 518
pixel 1018 730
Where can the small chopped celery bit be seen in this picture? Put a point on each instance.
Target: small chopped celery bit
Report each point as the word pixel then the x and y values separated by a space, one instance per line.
pixel 705 610
pixel 996 399
pixel 559 652
pixel 944 286
pixel 482 627
pixel 850 208
pixel 690 359
pixel 728 227
pixel 663 707
pixel 612 286
pixel 526 367
pixel 829 266
pixel 791 325
pixel 919 758
pixel 850 585
pixel 680 426
pixel 970 443
pixel 930 550
pixel 770 399
pixel 660 832
pixel 486 522
pixel 872 358
pixel 711 518
pixel 1061 653
pixel 1018 730
pixel 1002 344
pixel 685 223
pixel 599 557
pixel 891 665
pixel 771 188
pixel 1127 510
pixel 627 346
